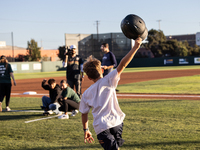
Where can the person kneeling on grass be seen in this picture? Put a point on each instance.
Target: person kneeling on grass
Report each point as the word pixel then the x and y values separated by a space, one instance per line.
pixel 50 104
pixel 69 100
pixel 101 97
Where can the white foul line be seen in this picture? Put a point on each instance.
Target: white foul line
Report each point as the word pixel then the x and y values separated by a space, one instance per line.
pixel 146 95
pixel 27 94
pixel 42 119
pixel 26 111
pixel 45 118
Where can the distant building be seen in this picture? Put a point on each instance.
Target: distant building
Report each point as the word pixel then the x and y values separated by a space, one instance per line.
pixel 192 39
pixel 19 52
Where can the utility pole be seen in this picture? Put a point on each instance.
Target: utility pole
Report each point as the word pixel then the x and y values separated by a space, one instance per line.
pixel 159 23
pixel 97 24
pixel 13 56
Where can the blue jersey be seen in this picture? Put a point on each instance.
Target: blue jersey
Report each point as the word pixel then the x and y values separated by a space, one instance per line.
pixel 108 60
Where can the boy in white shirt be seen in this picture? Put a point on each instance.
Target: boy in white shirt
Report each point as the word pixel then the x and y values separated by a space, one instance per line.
pixel 101 97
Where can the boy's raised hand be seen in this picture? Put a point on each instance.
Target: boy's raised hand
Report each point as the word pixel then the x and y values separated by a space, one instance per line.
pixel 138 42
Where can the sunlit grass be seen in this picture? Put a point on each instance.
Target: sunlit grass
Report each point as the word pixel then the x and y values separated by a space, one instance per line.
pixel 149 124
pixel 179 85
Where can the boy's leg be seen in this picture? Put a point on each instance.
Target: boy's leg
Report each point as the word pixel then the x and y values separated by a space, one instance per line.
pixel 55 107
pixel 111 138
pixel 46 101
pixel 117 133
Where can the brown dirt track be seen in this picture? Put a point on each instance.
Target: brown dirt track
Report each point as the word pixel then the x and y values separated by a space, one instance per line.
pixel 35 84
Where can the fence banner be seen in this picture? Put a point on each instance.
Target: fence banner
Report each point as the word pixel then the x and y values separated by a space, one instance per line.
pixel 197 60
pixel 183 61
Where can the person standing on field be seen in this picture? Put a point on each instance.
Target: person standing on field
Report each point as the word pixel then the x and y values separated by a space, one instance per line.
pixel 74 69
pixel 6 73
pixel 108 61
pixel 101 97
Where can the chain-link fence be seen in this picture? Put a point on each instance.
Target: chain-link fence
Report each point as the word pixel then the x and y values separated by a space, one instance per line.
pixel 91 44
pixel 6 45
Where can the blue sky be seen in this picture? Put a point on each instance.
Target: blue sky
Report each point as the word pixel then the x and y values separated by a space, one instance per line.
pixel 46 21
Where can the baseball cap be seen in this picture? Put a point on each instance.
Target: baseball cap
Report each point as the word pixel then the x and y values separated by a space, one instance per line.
pixel 72 47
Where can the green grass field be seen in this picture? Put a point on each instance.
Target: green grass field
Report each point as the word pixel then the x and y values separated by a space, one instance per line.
pixel 149 124
pixel 179 85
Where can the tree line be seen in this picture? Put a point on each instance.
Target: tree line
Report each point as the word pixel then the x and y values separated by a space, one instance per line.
pixel 161 47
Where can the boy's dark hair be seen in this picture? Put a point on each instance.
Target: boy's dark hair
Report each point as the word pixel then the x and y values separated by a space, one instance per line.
pixel 105 45
pixel 51 81
pixel 63 81
pixel 92 67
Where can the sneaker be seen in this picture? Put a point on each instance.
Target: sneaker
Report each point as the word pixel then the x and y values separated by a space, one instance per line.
pixel 59 113
pixel 74 112
pixel 0 106
pixel 46 113
pixel 50 112
pixel 64 116
pixel 8 109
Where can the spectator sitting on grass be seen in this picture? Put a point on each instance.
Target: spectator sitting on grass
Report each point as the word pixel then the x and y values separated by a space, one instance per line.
pixel 69 100
pixel 51 103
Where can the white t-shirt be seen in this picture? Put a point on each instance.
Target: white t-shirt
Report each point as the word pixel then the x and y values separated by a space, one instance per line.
pixel 102 98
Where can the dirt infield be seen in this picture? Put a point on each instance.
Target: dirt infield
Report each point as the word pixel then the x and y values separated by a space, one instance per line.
pixel 35 84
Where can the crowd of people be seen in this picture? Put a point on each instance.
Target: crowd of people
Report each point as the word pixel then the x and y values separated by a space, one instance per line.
pixel 57 102
pixel 100 96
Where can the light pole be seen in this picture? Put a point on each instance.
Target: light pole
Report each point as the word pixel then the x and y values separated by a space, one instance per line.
pixel 159 23
pixel 13 56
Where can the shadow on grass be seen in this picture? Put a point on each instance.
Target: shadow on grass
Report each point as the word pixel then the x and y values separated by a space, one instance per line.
pixel 143 145
pixel 125 146
pixel 18 117
pixel 65 147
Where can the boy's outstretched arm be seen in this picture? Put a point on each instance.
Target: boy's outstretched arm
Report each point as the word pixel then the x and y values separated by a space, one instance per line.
pixel 87 134
pixel 128 57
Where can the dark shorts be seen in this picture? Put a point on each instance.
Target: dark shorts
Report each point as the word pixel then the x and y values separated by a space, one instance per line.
pixel 111 139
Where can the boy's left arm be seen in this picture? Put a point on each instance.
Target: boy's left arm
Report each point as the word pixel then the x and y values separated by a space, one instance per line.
pixel 87 134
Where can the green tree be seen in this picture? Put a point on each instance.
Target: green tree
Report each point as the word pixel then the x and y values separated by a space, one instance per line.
pixel 181 50
pixel 160 46
pixel 156 40
pixel 196 50
pixel 33 51
pixel 172 45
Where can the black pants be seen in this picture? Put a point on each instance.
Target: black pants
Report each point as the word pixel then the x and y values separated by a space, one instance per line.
pixel 111 139
pixel 68 105
pixel 5 90
pixel 77 84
